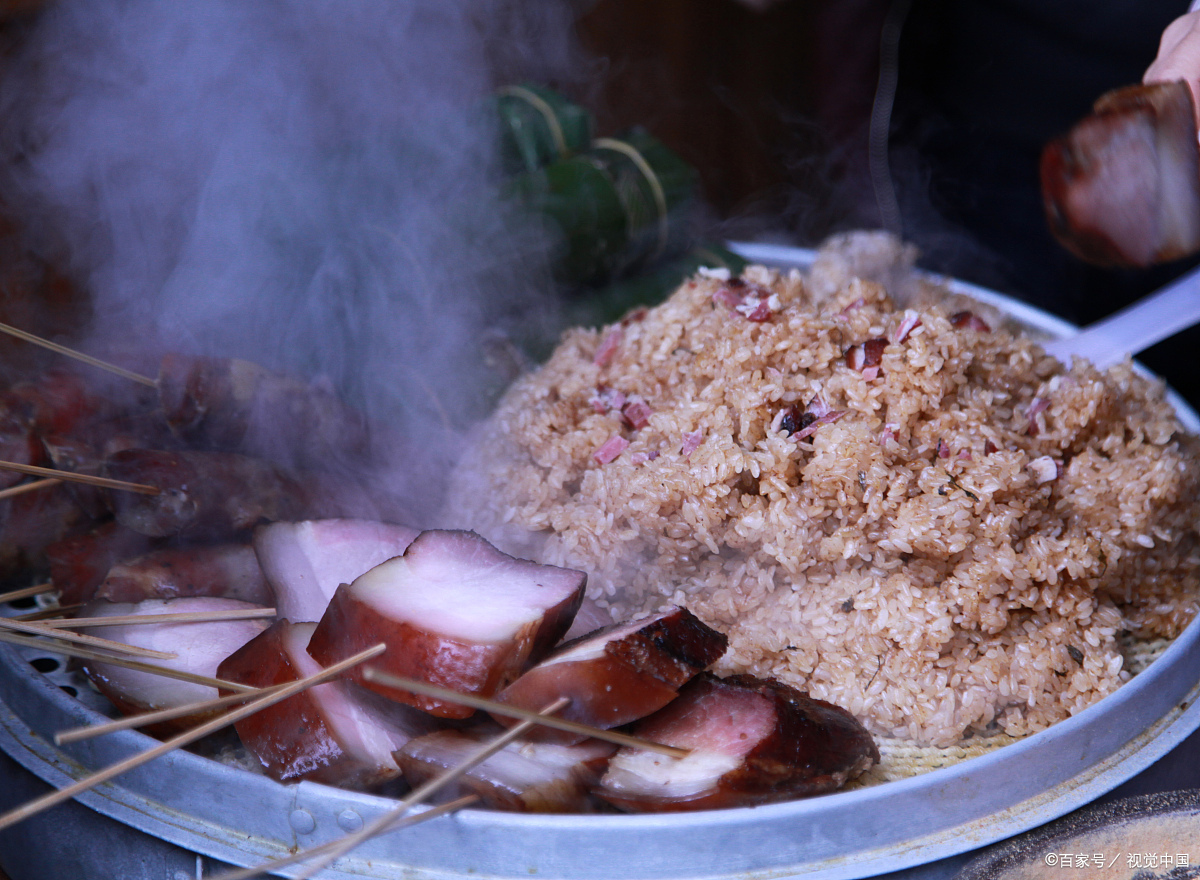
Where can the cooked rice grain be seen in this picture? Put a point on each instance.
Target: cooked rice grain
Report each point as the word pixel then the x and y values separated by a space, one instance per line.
pixel 956 554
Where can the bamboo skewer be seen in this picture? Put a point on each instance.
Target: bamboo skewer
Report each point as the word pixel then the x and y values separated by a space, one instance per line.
pixel 72 477
pixel 370 673
pixel 42 629
pixel 12 817
pixel 22 488
pixel 329 852
pixel 144 719
pixel 172 617
pixel 26 592
pixel 77 355
pixel 82 653
pixel 48 614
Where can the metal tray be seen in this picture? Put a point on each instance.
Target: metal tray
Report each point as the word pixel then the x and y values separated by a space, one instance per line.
pixel 183 816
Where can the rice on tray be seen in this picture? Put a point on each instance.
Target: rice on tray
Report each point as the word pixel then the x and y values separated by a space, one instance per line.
pixel 913 513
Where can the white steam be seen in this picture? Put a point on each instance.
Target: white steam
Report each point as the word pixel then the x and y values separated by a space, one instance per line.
pixel 304 183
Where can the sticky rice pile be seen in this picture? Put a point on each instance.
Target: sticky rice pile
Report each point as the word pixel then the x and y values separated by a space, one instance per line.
pixel 913 512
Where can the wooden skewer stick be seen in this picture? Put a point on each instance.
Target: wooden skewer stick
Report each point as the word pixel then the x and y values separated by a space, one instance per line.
pixel 382 823
pixel 172 617
pixel 48 614
pixel 12 817
pixel 142 719
pixel 72 477
pixel 26 592
pixel 41 629
pixel 370 673
pixel 403 822
pixel 78 355
pixel 71 650
pixel 22 488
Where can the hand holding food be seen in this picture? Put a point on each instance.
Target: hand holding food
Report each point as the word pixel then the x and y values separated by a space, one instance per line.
pixel 1122 188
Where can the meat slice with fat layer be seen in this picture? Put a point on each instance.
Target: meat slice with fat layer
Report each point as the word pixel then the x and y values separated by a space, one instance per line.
pixel 305 562
pixel 454 611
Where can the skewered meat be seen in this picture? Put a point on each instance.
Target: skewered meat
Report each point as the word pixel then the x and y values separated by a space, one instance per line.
pixel 1122 188
pixel 235 405
pixel 201 494
pixel 523 776
pixel 620 674
pixel 32 522
pixel 58 401
pixel 86 453
pixel 305 562
pixel 199 648
pixel 78 564
pixel 753 741
pixel 336 733
pixel 228 570
pixel 454 611
pixel 18 443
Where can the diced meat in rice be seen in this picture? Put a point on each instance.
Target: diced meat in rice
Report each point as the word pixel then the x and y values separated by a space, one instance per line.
pixel 926 560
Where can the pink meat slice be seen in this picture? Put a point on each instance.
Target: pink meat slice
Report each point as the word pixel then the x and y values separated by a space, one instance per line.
pixel 199 648
pixel 525 777
pixel 305 562
pixel 1122 188
pixel 336 733
pixel 228 570
pixel 454 611
pixel 752 741
pixel 620 674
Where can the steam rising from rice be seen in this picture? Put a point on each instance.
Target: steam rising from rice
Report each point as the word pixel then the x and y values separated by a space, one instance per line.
pixel 955 547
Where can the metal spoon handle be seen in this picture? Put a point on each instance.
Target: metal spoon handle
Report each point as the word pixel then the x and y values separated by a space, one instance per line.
pixel 1136 327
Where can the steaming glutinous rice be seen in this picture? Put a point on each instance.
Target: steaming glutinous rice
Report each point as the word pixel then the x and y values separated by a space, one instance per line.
pixel 912 512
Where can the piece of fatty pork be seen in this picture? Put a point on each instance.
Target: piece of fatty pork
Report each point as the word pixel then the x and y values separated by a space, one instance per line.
pixel 228 570
pixel 524 776
pixel 752 741
pixel 454 612
pixel 305 562
pixel 198 646
pixel 336 733
pixel 618 674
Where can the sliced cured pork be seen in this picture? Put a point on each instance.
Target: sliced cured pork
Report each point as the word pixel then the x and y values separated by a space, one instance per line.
pixel 752 741
pixel 79 564
pixel 228 570
pixel 523 776
pixel 201 494
pixel 199 648
pixel 620 674
pixel 305 562
pixel 454 611
pixel 336 733
pixel 1122 188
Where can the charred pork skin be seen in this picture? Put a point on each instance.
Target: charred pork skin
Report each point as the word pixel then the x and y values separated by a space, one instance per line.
pixel 620 674
pixel 752 741
pixel 454 611
pixel 1122 188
